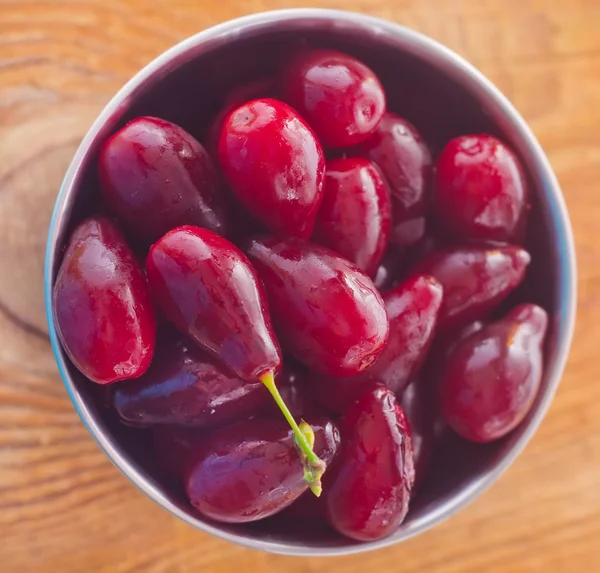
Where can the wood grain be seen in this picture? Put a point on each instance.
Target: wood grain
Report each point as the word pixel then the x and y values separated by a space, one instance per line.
pixel 63 507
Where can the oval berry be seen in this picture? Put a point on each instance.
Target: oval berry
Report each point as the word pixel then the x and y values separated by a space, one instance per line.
pixel 186 387
pixel 405 161
pixel 340 97
pixel 251 470
pixel 368 493
pixel 327 313
pixel 354 219
pixel 155 176
pixel 492 378
pixel 209 290
pixel 481 190
pixel 102 307
pixel 274 165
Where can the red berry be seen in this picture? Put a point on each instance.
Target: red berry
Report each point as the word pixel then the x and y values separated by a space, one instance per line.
pixel 156 176
pixel 481 191
pixel 412 310
pixel 340 97
pixel 354 219
pixel 274 165
pixel 492 378
pixel 252 470
pixel 103 312
pixel 327 313
pixel 184 386
pixel 405 160
pixel 368 493
pixel 475 280
pixel 209 290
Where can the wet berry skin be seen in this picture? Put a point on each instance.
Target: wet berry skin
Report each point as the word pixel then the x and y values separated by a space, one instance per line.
pixel 209 290
pixel 492 378
pixel 252 470
pixel 274 165
pixel 339 96
pixel 413 309
pixel 102 308
pixel 327 313
pixel 155 176
pixel 354 219
pixel 405 161
pixel 481 190
pixel 475 279
pixel 185 386
pixel 367 495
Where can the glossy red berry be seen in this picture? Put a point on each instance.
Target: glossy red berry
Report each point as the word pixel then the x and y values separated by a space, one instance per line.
pixel 155 176
pixel 354 219
pixel 327 313
pixel 492 378
pixel 339 96
pixel 274 165
pixel 405 160
pixel 368 493
pixel 251 470
pixel 209 290
pixel 481 190
pixel 102 307
pixel 413 309
pixel 184 386
pixel 475 280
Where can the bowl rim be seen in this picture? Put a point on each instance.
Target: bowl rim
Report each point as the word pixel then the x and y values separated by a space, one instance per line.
pixel 435 53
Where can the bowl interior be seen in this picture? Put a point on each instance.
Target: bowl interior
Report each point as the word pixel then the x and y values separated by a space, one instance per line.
pixel 443 100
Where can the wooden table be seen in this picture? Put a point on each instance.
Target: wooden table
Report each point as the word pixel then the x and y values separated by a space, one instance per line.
pixel 63 507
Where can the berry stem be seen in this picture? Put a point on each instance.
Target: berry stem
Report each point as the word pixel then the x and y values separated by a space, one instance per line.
pixel 304 438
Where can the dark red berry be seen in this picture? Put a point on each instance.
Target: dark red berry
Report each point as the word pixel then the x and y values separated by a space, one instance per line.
pixel 475 280
pixel 156 176
pixel 481 190
pixel 209 290
pixel 327 313
pixel 491 379
pixel 252 470
pixel 413 310
pixel 368 493
pixel 184 386
pixel 354 219
pixel 405 160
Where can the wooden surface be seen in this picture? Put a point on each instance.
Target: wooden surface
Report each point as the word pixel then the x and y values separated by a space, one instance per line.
pixel 63 507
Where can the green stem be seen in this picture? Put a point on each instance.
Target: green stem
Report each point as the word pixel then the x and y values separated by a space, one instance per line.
pixel 313 466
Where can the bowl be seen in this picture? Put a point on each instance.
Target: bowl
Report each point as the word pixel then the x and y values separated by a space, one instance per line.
pixel 444 97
